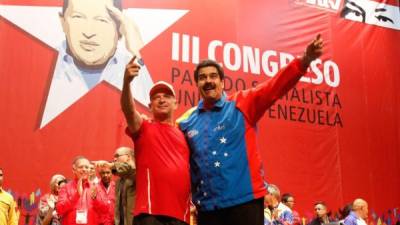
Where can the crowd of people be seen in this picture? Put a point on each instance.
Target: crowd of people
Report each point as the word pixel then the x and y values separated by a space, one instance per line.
pixel 203 168
pixel 99 198
pixel 279 211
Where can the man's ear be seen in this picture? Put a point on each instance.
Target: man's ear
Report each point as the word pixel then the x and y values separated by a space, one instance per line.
pixel 175 105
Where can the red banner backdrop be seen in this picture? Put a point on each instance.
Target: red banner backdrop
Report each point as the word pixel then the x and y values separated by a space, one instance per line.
pixel 334 137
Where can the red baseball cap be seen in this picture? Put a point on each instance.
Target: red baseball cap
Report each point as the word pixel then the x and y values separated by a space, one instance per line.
pixel 162 86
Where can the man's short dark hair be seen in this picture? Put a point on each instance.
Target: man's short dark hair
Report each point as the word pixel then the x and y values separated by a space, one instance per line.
pixel 320 203
pixel 285 197
pixel 207 63
pixel 117 4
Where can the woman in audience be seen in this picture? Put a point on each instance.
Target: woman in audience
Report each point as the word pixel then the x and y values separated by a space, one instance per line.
pixel 46 213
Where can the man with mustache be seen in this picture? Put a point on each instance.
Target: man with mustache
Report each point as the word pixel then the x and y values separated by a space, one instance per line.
pixel 226 171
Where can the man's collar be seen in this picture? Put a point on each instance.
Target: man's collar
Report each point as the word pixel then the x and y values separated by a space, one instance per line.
pixel 354 214
pixel 217 105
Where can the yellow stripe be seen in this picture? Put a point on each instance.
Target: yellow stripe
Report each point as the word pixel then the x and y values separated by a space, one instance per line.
pixel 185 115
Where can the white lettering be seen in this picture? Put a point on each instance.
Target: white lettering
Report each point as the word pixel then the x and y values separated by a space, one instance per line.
pixel 251 60
pixel 235 50
pixel 270 68
pixel 318 73
pixel 175 46
pixel 212 48
pixel 328 67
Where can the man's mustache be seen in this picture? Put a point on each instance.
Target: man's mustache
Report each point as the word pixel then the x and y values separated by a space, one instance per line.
pixel 208 86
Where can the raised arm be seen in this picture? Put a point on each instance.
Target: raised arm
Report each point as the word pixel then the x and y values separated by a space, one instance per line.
pixel 127 103
pixel 266 93
pixel 66 202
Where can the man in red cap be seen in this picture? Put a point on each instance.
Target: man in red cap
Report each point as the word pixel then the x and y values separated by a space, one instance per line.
pixel 162 156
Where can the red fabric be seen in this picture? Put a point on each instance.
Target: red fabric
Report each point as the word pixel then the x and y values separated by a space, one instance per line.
pixel 267 92
pixel 69 201
pixel 162 171
pixel 335 163
pixel 109 193
pixel 264 95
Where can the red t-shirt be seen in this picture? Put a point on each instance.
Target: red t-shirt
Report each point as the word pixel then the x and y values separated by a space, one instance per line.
pixel 109 193
pixel 162 171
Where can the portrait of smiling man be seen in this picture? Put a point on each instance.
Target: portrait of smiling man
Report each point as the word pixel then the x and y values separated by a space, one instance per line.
pixel 99 42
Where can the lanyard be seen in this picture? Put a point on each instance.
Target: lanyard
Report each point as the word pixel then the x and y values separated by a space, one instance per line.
pixel 83 199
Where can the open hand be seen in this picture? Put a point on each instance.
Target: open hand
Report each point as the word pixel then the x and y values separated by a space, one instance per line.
pixel 128 29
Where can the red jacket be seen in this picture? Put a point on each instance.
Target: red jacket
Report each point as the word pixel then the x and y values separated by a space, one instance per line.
pixel 69 202
pixel 108 218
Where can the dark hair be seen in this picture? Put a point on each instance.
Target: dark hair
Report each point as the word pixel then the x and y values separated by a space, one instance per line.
pixel 285 197
pixel 62 181
pixel 117 3
pixel 207 63
pixel 328 213
pixel 345 211
pixel 320 203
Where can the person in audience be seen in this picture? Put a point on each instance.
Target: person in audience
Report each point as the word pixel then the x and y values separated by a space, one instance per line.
pixel 276 212
pixel 47 215
pixel 359 213
pixel 345 211
pixel 124 167
pixel 92 174
pixel 8 215
pixel 321 214
pixel 107 186
pixel 288 200
pixel 80 201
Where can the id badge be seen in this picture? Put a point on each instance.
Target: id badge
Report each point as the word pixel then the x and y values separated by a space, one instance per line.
pixel 81 216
